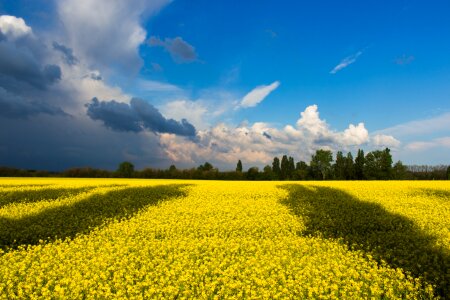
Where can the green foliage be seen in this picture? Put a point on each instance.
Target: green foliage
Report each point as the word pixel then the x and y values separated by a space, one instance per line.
pixel 125 170
pixel 239 166
pixel 252 173
pixel 276 169
pixel 321 164
pixel 359 165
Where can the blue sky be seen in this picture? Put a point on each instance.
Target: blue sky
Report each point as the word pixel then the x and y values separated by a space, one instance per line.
pixel 250 81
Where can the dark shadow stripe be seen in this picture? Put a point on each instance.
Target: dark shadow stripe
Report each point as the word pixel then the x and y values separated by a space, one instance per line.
pixel 81 217
pixel 395 239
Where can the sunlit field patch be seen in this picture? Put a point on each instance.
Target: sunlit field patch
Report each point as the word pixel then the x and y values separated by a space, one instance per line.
pixel 103 238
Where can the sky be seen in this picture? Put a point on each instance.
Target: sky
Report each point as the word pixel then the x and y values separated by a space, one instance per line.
pixel 159 82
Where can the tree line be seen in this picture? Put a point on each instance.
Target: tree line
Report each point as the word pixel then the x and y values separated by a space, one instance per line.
pixel 375 165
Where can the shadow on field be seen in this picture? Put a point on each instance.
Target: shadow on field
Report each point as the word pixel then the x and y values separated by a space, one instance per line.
pixel 332 213
pixel 28 196
pixel 82 216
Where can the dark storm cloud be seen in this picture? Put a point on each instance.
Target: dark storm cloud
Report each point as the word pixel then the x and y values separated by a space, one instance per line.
pixel 180 50
pixel 21 60
pixel 69 58
pixel 17 107
pixel 135 117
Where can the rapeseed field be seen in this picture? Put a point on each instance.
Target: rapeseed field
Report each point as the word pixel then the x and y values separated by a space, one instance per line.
pixel 145 239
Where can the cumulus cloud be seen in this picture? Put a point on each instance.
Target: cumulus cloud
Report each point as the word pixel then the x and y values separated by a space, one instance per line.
pixel 114 30
pixel 381 140
pixel 258 143
pixel 258 94
pixel 157 86
pixel 180 50
pixel 346 62
pixel 135 117
pixel 14 27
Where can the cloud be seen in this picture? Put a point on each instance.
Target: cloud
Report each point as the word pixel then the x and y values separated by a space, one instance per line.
pixel 418 146
pixel 69 58
pixel 272 33
pixel 22 60
pixel 382 141
pixel 258 94
pixel 180 50
pixel 346 62
pixel 14 27
pixel 107 33
pixel 423 127
pixel 259 142
pixel 135 117
pixel 404 60
pixel 14 106
pixel 157 86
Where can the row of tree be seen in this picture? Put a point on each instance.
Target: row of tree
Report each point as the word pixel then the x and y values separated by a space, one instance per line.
pixel 375 165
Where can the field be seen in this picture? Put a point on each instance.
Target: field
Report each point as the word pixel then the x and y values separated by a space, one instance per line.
pixel 140 239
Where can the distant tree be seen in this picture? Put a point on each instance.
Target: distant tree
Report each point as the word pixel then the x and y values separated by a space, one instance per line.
pixel 206 167
pixel 448 172
pixel 268 173
pixel 125 170
pixel 239 166
pixel 172 168
pixel 301 170
pixel 386 164
pixel 378 165
pixel 399 171
pixel 349 168
pixel 291 167
pixel 321 164
pixel 284 174
pixel 252 173
pixel 339 166
pixel 359 165
pixel 276 169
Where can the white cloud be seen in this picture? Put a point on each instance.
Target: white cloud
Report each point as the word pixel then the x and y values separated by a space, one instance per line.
pixel 346 62
pixel 194 111
pixel 14 27
pixel 107 32
pixel 439 123
pixel 382 141
pixel 158 86
pixel 259 142
pixel 258 94
pixel 417 146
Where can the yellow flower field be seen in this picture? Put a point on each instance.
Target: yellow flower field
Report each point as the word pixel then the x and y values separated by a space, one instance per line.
pixel 142 239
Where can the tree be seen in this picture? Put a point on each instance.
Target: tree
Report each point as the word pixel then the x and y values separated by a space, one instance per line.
pixel 386 164
pixel 321 164
pixel 339 166
pixel 359 165
pixel 239 166
pixel 268 173
pixel 448 172
pixel 301 170
pixel 399 171
pixel 252 173
pixel 349 169
pixel 378 165
pixel 291 167
pixel 126 169
pixel 206 167
pixel 276 169
pixel 284 173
